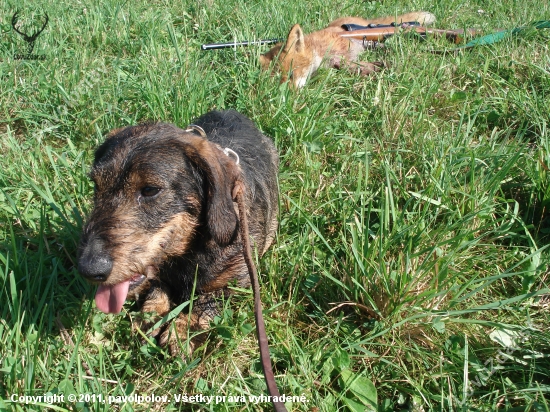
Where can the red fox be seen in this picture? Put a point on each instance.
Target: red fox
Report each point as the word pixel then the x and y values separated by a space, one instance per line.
pixel 301 55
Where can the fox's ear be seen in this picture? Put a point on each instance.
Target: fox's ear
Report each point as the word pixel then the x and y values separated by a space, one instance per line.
pixel 264 62
pixel 295 39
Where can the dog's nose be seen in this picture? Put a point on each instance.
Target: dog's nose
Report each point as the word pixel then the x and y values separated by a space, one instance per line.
pixel 95 263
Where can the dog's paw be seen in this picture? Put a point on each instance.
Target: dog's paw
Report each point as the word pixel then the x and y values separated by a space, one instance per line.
pixel 175 338
pixel 143 322
pixel 175 343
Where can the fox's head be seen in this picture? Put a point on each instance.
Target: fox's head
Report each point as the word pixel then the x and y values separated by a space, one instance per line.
pixel 293 59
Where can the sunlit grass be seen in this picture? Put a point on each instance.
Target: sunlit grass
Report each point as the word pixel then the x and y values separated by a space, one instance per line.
pixel 410 267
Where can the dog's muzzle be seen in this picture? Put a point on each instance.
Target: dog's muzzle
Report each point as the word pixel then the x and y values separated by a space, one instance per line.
pixel 94 263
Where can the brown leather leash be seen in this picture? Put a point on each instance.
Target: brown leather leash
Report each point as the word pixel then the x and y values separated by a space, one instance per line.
pixel 238 194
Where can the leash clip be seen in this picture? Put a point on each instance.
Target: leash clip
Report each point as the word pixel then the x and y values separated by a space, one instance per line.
pixel 228 151
pixel 193 128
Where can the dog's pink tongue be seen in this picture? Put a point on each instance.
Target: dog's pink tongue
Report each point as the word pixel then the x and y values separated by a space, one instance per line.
pixel 109 299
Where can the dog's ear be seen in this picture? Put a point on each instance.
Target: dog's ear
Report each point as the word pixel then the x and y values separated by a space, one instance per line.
pixel 221 173
pixel 295 40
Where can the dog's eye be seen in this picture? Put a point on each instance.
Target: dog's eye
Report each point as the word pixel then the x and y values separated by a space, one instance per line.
pixel 150 191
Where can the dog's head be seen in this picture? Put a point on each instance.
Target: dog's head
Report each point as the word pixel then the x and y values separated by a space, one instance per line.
pixel 292 59
pixel 156 186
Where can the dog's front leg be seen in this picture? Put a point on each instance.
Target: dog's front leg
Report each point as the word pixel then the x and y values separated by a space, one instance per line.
pixel 154 306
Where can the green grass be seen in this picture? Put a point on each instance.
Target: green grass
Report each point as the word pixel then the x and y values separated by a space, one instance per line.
pixel 410 271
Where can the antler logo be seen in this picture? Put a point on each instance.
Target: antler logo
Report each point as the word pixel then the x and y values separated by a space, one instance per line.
pixel 29 38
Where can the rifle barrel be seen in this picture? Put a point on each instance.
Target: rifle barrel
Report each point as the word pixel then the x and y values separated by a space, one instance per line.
pixel 214 46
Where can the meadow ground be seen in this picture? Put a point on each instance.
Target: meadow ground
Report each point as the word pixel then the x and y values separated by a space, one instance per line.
pixel 410 270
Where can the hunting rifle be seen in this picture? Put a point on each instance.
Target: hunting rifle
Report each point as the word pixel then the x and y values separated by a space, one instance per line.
pixel 372 32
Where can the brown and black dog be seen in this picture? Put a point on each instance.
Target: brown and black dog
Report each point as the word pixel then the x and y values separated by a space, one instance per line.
pixel 164 214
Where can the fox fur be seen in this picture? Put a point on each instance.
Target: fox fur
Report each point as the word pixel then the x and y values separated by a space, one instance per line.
pixel 302 55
